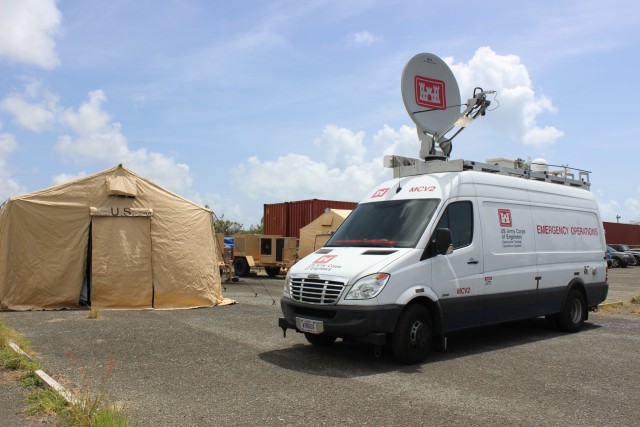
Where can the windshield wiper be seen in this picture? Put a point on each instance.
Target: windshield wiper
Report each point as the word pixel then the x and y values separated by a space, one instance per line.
pixel 367 242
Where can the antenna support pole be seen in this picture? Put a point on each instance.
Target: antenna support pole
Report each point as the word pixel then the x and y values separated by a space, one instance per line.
pixel 434 145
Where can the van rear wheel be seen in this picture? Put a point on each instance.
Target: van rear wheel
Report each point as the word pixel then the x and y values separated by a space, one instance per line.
pixel 413 336
pixel 574 313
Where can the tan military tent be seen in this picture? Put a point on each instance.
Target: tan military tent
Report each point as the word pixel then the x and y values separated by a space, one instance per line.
pixel 315 234
pixel 124 240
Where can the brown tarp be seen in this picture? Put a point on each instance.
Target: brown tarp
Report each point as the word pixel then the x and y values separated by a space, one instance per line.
pixel 137 244
pixel 315 234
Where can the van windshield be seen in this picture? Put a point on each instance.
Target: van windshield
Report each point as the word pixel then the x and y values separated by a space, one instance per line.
pixel 393 223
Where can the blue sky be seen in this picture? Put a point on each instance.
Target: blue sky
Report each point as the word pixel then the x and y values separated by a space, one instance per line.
pixel 238 104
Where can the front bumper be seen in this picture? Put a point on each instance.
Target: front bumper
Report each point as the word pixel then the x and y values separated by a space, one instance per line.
pixel 359 323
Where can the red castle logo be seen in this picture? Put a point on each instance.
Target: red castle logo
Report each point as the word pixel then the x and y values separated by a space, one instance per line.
pixel 504 215
pixel 324 259
pixel 381 192
pixel 430 93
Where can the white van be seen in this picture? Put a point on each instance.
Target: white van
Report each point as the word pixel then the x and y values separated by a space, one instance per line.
pixel 449 245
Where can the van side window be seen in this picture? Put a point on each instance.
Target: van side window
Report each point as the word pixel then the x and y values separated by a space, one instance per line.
pixel 458 217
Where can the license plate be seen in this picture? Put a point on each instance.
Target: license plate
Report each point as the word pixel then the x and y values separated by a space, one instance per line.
pixel 310 326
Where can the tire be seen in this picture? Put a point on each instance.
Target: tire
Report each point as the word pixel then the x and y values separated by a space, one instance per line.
pixel 241 267
pixel 623 264
pixel 413 336
pixel 615 263
pixel 272 271
pixel 574 313
pixel 320 340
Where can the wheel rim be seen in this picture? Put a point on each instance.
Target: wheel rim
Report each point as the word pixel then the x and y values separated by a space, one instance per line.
pixel 576 311
pixel 418 334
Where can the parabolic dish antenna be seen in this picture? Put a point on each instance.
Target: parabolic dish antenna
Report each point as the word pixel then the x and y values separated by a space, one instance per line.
pixel 432 99
pixel 430 94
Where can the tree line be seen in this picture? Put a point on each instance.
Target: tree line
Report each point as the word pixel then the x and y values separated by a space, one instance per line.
pixel 229 227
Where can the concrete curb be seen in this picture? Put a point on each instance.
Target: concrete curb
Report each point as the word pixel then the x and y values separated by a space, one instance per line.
pixel 47 379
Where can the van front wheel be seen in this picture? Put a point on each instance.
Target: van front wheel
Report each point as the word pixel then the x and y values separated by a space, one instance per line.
pixel 574 313
pixel 412 338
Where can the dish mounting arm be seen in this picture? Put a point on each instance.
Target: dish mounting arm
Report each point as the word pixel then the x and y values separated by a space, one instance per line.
pixel 434 144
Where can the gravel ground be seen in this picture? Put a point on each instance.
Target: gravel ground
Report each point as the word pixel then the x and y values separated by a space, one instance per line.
pixel 231 366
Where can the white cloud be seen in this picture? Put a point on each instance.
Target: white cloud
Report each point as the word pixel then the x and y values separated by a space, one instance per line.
pixel 363 38
pixel 96 137
pixel 65 177
pixel 28 30
pixel 341 147
pixel 610 209
pixel 346 174
pixel 402 142
pixel 519 106
pixel 632 209
pixel 8 185
pixel 229 208
pixel 35 116
pixel 295 176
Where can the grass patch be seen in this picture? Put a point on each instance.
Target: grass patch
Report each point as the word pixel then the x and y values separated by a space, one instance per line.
pixel 630 307
pixel 97 417
pixel 45 402
pixel 8 334
pixel 93 407
pixel 94 313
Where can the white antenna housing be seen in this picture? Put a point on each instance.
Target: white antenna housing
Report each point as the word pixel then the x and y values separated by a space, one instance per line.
pixel 539 165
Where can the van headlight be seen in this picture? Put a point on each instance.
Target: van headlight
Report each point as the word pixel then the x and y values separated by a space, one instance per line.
pixel 368 287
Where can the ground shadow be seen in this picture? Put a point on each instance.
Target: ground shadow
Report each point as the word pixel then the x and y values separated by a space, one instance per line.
pixel 349 360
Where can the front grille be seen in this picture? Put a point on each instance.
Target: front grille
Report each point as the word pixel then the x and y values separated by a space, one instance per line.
pixel 316 290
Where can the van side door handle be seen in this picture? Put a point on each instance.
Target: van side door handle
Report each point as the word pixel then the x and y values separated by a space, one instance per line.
pixel 472 261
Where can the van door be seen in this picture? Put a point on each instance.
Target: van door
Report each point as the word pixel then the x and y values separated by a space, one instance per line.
pixel 509 291
pixel 457 276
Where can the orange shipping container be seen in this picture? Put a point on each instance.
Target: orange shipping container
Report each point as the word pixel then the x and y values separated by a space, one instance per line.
pixel 618 233
pixel 276 219
pixel 286 219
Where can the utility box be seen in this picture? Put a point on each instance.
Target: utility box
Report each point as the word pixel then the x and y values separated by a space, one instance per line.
pixel 273 253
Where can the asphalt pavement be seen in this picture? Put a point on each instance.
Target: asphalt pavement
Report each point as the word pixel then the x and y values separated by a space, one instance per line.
pixel 231 366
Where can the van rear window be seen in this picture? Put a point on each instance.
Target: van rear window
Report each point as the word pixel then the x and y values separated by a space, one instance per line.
pixel 392 223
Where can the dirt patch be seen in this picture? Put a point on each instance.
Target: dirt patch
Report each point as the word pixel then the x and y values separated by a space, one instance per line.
pixel 9 376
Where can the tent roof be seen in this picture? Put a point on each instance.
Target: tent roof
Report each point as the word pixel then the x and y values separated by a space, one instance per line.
pixel 341 212
pixel 117 182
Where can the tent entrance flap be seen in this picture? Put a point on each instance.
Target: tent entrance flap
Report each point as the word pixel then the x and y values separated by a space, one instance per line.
pixel 121 262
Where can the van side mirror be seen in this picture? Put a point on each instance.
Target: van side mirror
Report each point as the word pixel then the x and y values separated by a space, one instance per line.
pixel 440 244
pixel 443 241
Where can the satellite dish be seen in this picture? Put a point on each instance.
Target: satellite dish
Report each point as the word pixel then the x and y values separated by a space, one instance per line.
pixel 430 93
pixel 432 98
